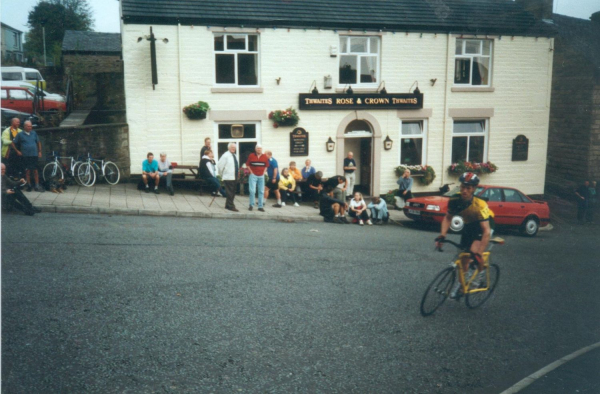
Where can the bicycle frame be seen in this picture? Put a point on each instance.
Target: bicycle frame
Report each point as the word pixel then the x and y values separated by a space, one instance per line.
pixel 457 264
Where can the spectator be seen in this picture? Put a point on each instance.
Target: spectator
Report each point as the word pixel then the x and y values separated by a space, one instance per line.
pixel 205 147
pixel 165 171
pixel 9 155
pixel 349 168
pixel 314 186
pixel 229 169
pixel 12 196
pixel 340 185
pixel 404 191
pixel 150 173
pixel 30 151
pixel 583 196
pixel 208 172
pixel 358 209
pixel 591 203
pixel 332 209
pixel 308 170
pixel 297 175
pixel 379 211
pixel 274 176
pixel 287 188
pixel 257 163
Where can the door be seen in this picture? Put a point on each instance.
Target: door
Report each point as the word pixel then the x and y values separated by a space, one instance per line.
pixel 20 100
pixel 514 206
pixel 366 158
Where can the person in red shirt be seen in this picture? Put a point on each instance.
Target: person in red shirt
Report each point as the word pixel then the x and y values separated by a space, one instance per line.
pixel 257 163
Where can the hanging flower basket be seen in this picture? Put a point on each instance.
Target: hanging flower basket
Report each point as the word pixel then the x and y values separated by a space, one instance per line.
pixel 477 168
pixel 197 110
pixel 425 174
pixel 284 118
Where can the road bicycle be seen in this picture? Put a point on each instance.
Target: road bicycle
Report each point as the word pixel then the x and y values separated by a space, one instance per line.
pixel 476 288
pixel 91 169
pixel 58 169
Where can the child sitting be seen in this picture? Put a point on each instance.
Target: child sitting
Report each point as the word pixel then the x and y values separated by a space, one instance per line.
pixel 379 211
pixel 358 209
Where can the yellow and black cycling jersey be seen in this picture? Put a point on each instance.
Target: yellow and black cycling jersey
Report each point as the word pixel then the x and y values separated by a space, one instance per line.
pixel 473 211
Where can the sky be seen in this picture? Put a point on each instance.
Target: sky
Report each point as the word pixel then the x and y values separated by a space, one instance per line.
pixel 106 12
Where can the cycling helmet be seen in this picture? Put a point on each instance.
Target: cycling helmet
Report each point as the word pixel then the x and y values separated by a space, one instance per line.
pixel 469 178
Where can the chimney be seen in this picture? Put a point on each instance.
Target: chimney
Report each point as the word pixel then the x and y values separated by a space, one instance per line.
pixel 540 9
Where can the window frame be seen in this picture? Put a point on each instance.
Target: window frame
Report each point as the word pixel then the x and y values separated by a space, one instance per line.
pixel 423 136
pixel 236 52
pixel 237 141
pixel 486 133
pixel 359 56
pixel 465 55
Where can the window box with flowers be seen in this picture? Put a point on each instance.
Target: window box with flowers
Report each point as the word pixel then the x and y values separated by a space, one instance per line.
pixel 425 174
pixel 197 110
pixel 285 118
pixel 477 168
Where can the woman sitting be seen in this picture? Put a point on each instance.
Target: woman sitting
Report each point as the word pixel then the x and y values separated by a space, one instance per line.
pixel 287 187
pixel 358 209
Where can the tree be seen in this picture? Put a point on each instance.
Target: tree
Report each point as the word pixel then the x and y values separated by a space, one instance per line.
pixel 56 16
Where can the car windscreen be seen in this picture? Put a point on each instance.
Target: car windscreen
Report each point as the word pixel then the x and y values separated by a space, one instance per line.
pixel 456 189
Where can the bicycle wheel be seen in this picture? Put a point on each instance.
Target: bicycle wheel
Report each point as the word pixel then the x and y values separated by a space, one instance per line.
pixel 86 175
pixel 438 291
pixel 52 170
pixel 75 167
pixel 474 300
pixel 111 173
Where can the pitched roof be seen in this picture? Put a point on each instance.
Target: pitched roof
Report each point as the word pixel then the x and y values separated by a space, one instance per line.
pixel 457 16
pixel 91 42
pixel 581 34
pixel 12 28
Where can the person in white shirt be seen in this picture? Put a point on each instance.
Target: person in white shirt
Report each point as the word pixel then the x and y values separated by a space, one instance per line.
pixel 166 171
pixel 358 209
pixel 229 169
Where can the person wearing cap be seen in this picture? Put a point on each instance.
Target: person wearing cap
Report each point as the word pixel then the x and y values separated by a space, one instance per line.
pixel 257 163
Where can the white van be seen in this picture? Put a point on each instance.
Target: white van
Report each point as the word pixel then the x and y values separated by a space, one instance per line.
pixel 22 74
pixel 32 89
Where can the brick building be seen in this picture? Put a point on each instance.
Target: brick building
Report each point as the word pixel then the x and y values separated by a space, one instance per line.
pixel 483 71
pixel 574 136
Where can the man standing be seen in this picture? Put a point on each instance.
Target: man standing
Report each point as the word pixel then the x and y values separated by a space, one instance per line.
pixel 30 151
pixel 9 156
pixel 274 176
pixel 12 195
pixel 165 170
pixel 229 169
pixel 583 196
pixel 150 171
pixel 257 163
pixel 349 168
pixel 205 147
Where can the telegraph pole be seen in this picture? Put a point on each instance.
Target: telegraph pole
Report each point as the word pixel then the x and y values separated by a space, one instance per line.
pixel 44 38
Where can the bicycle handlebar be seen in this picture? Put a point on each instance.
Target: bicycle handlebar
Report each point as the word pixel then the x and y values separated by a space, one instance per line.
pixel 447 241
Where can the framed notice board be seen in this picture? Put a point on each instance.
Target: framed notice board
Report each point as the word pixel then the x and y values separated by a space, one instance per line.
pixel 299 142
pixel 520 148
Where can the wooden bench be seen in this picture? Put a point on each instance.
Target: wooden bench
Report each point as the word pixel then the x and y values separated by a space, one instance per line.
pixel 190 174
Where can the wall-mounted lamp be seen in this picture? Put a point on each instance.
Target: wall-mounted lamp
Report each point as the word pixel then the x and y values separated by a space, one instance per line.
pixel 313 88
pixel 327 84
pixel 330 145
pixel 387 143
pixel 416 91
pixel 382 90
pixel 349 90
pixel 278 80
pixel 433 81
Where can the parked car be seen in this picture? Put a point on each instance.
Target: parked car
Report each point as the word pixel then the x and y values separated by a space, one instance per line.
pixel 22 74
pixel 33 89
pixel 9 114
pixel 21 99
pixel 510 206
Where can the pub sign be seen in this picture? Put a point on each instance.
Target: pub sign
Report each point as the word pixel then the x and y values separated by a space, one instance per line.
pixel 342 101
pixel 299 142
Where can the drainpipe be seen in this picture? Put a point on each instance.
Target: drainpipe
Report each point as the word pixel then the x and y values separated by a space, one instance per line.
pixel 443 177
pixel 180 101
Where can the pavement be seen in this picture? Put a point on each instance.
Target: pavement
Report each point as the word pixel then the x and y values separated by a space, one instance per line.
pixel 125 199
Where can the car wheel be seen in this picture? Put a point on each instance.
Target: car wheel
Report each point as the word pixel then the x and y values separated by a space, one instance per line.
pixel 530 226
pixel 457 224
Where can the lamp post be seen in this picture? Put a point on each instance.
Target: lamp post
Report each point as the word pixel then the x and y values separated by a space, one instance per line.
pixel 44 39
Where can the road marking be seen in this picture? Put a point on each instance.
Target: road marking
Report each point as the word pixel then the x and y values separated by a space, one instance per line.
pixel 548 368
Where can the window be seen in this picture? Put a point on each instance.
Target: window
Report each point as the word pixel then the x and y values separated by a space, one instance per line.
pixel 492 195
pixel 469 141
pixel 412 142
pixel 473 62
pixel 244 145
pixel 15 76
pixel 4 94
pixel 511 195
pixel 32 76
pixel 236 59
pixel 16 94
pixel 359 60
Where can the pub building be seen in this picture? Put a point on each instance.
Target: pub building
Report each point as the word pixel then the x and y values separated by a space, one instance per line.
pixel 408 82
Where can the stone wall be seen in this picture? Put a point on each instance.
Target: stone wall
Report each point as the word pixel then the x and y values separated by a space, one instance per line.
pixel 110 141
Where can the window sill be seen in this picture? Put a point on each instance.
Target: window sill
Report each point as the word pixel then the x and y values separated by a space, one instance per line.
pixel 472 89
pixel 236 90
pixel 357 90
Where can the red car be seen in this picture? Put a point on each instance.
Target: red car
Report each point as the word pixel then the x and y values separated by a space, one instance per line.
pixel 21 99
pixel 510 207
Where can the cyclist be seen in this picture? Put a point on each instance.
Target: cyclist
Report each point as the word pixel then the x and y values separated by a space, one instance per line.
pixel 478 220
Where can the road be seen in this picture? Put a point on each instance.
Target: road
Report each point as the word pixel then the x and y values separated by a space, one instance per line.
pixel 102 304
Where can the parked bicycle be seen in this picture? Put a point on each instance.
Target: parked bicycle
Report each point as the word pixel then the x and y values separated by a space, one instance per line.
pixel 477 286
pixel 91 169
pixel 57 169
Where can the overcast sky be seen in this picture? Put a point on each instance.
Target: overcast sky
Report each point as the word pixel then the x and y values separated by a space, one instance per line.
pixel 106 12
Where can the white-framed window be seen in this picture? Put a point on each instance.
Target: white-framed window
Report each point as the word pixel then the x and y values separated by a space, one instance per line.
pixel 236 59
pixel 473 62
pixel 245 144
pixel 469 140
pixel 413 142
pixel 359 61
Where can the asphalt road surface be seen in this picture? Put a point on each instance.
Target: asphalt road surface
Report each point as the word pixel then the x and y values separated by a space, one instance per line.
pixel 101 304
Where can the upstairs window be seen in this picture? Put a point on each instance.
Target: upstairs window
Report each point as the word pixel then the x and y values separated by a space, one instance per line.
pixel 359 60
pixel 412 142
pixel 473 62
pixel 236 59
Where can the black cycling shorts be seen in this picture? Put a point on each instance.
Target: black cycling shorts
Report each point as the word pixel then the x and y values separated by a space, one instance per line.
pixel 472 233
